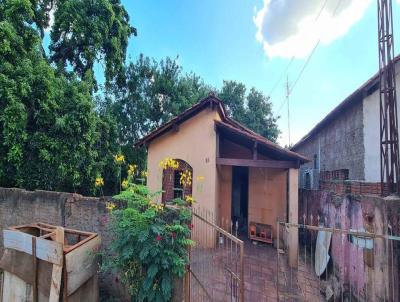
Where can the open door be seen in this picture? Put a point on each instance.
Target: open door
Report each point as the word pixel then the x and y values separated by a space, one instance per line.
pixel 240 197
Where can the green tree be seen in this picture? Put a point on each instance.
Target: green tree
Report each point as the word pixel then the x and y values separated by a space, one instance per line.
pixel 252 109
pixel 51 137
pixel 21 66
pixel 89 32
pixel 154 93
pixel 233 94
pixel 259 117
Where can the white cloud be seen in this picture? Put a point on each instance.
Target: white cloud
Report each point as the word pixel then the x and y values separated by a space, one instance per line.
pixel 289 28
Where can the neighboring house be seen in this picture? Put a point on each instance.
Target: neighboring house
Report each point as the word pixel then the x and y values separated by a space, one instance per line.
pixel 345 144
pixel 238 175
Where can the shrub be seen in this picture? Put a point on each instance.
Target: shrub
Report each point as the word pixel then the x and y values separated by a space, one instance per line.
pixel 150 244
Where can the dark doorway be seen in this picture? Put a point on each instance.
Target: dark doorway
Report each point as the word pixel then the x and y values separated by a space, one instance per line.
pixel 240 197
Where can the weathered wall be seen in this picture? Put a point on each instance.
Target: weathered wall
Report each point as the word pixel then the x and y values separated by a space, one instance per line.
pixel 195 143
pixel 66 209
pixel 368 271
pixel 267 196
pixel 339 145
pixel 371 133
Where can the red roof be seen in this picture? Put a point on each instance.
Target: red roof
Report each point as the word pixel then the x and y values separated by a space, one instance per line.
pixel 226 123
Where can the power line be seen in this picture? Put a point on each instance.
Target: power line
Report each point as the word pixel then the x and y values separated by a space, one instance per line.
pixel 292 58
pixel 281 76
pixel 308 59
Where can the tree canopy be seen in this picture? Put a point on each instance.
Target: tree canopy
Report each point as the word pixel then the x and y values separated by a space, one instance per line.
pixel 50 132
pixel 86 32
pixel 252 109
pixel 55 132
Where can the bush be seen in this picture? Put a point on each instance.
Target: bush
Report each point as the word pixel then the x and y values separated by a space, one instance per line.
pixel 150 244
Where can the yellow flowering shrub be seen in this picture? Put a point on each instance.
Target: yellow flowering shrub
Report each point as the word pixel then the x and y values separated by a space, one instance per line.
pixel 150 244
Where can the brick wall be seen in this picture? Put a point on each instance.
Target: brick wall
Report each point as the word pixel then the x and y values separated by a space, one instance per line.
pixel 339 144
pixel 338 182
pixel 350 187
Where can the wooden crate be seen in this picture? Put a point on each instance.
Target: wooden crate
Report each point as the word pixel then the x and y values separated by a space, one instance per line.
pixel 42 262
pixel 260 232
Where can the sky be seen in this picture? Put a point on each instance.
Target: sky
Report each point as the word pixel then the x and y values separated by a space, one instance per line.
pixel 265 43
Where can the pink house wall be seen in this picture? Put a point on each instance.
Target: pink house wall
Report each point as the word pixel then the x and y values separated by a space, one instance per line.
pixel 351 263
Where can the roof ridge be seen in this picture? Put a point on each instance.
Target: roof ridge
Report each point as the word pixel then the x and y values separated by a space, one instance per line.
pixel 165 126
pixel 367 85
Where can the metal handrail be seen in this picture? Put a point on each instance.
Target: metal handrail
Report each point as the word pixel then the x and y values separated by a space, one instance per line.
pixel 222 231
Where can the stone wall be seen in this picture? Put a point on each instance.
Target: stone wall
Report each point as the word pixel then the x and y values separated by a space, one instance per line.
pixel 339 145
pixel 366 271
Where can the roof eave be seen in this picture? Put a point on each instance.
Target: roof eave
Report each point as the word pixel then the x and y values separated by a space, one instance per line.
pixel 268 144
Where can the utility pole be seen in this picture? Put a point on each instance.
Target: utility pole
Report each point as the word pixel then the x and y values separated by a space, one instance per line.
pixel 288 108
pixel 389 136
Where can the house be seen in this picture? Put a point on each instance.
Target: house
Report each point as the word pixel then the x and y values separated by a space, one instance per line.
pixel 341 187
pixel 238 175
pixel 345 145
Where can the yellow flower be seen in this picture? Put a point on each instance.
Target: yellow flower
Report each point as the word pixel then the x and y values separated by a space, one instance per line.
pixel 157 206
pixel 110 206
pixel 125 184
pixel 200 178
pixel 119 159
pixel 99 182
pixel 144 174
pixel 189 199
pixel 186 178
pixel 132 169
pixel 169 163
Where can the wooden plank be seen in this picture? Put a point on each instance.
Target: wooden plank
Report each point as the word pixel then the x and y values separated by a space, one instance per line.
pixel 277 164
pixel 1 285
pixel 35 271
pixel 87 292
pixel 55 286
pixel 55 283
pixel 60 235
pixel 81 264
pixel 15 289
pixel 46 250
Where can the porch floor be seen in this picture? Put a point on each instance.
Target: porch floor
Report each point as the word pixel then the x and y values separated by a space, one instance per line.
pixel 260 276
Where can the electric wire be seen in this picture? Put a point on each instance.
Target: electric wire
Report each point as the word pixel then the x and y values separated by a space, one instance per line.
pixel 285 71
pixel 307 61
